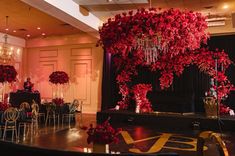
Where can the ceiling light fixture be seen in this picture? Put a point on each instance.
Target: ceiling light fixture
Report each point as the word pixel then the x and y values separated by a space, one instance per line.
pixel 151 46
pixel 6 51
pixel 225 6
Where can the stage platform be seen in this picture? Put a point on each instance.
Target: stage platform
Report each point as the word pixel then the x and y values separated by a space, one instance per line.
pixel 170 120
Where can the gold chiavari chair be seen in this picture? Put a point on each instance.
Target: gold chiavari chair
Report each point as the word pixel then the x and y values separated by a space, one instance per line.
pixel 24 119
pixel 10 117
pixel 30 123
pixel 25 106
pixel 74 108
pixel 79 112
pixel 35 114
pixel 41 115
pixel 52 114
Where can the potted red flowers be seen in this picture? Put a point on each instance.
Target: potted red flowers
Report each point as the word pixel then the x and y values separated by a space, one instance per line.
pixel 101 135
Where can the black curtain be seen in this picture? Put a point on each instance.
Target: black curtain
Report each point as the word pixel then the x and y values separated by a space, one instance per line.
pixel 192 81
pixel 226 43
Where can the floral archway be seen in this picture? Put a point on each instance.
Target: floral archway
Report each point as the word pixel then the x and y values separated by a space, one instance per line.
pixel 180 32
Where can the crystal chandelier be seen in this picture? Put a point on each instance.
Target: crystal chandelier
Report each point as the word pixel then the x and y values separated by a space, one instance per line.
pixel 6 51
pixel 151 47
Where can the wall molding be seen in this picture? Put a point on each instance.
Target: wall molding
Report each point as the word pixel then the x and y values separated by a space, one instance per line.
pixel 88 64
pixel 48 53
pixel 79 51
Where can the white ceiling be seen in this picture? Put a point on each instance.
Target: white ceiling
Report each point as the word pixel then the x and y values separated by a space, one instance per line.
pixel 25 18
pixel 104 9
pixel 105 2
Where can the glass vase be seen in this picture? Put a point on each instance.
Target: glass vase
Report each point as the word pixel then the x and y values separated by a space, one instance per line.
pixel 210 106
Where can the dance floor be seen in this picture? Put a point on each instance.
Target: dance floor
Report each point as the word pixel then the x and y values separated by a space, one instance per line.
pixel 133 139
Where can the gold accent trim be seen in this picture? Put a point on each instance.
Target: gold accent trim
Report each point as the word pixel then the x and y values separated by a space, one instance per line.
pixel 173 113
pixel 215 137
pixel 161 143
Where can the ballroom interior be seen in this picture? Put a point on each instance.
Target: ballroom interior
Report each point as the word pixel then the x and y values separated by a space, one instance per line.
pixel 120 77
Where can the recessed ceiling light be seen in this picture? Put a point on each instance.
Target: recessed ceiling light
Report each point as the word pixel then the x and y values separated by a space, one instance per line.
pixel 6 29
pixel 43 34
pixel 28 35
pixel 38 28
pixel 14 31
pixel 225 6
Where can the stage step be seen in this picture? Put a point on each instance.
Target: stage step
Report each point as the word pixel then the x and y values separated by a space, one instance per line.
pixel 169 121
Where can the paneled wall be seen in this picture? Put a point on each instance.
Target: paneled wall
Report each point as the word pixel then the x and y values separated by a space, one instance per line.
pixel 82 61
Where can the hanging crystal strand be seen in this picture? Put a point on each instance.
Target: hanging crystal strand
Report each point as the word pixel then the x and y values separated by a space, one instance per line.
pixel 157 52
pixel 153 57
pixel 150 56
pixel 154 54
pixel 142 44
pixel 145 55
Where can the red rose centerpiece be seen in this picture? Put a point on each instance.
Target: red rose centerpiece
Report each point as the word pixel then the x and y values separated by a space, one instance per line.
pixel 58 101
pixel 101 135
pixel 7 73
pixel 3 106
pixel 59 77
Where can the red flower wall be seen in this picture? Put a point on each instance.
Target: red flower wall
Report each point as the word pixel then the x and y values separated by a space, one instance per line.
pixel 181 32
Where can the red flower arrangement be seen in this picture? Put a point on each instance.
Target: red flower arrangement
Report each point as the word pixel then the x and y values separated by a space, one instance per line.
pixel 59 77
pixel 179 30
pixel 182 32
pixel 7 73
pixel 140 93
pixel 3 106
pixel 58 101
pixel 103 134
pixel 224 109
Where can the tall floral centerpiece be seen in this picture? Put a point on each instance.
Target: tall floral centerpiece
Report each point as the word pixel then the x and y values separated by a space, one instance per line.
pixel 58 79
pixel 7 75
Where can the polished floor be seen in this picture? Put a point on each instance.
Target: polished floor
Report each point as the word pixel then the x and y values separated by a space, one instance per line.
pixel 133 139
